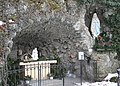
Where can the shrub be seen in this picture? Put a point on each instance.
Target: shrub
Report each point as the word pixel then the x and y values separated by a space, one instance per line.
pixel 113 79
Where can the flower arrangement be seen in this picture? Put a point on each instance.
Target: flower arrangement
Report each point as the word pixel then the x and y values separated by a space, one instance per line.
pixel 104 42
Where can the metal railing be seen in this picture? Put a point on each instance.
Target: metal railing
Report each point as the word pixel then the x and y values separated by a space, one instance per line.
pixel 43 75
pixel 36 75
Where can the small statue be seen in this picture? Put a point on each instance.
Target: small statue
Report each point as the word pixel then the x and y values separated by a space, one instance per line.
pixel 35 54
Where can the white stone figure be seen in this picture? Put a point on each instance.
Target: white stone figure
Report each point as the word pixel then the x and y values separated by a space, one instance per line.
pixel 35 54
pixel 95 25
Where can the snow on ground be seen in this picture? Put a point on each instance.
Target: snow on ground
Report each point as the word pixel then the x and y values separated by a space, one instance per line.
pixel 102 83
pixel 110 76
pixel 11 21
pixel 1 23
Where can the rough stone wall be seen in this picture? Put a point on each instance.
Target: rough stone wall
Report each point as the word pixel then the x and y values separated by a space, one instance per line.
pixel 59 30
pixel 59 33
pixel 106 63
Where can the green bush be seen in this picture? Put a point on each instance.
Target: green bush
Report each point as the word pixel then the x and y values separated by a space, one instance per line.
pixel 113 79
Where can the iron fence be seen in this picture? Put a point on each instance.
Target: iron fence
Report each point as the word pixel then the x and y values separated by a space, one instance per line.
pixel 42 75
pixel 36 75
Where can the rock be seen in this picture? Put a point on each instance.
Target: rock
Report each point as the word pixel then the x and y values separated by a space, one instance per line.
pixel 65 46
pixel 57 28
pixel 11 9
pixel 7 51
pixel 10 44
pixel 106 63
pixel 63 50
pixel 61 55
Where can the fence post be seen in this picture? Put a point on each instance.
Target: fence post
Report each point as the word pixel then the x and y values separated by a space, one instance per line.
pixel 118 81
pixel 62 68
pixel 81 72
pixel 63 81
pixel 96 71
pixel 39 75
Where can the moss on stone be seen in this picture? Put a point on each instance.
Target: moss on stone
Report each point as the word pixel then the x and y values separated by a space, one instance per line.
pixel 36 3
pixel 53 5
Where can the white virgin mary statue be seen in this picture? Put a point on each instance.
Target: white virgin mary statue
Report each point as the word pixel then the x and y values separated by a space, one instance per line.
pixel 95 25
pixel 35 54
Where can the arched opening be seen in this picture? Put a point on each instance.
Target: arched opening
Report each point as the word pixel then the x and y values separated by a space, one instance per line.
pixel 50 38
pixel 98 12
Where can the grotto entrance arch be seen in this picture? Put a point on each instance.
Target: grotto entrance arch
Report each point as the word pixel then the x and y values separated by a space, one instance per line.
pixel 53 39
pixel 50 38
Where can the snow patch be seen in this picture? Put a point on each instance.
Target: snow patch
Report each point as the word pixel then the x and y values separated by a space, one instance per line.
pixel 103 83
pixel 110 75
pixel 11 21
pixel 1 23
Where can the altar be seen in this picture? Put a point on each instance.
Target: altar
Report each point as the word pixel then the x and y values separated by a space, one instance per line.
pixel 37 69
